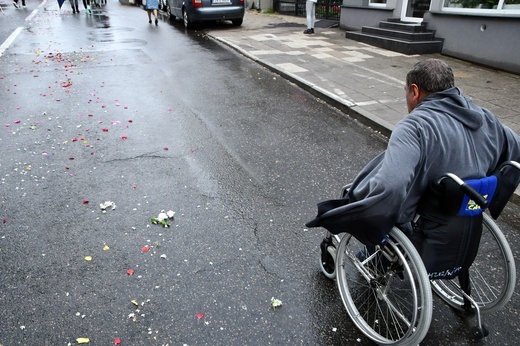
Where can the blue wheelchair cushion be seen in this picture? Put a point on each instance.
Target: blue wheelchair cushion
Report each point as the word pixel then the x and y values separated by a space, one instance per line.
pixel 486 187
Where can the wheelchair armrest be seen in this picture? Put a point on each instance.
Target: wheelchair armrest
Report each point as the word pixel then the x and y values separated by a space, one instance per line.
pixel 507 164
pixel 466 189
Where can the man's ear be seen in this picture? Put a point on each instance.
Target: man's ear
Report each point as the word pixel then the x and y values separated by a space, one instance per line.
pixel 416 93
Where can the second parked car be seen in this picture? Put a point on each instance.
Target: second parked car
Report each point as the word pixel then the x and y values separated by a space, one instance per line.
pixel 192 11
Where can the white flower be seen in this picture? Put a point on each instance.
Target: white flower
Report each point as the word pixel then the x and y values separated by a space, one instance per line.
pixel 170 214
pixel 162 216
pixel 275 303
pixel 107 204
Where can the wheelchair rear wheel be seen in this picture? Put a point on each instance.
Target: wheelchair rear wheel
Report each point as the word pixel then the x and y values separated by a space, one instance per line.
pixel 492 275
pixel 385 289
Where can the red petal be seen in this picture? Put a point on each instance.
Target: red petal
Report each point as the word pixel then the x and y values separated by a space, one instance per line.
pixel 130 272
pixel 84 201
pixel 117 341
pixel 200 315
pixel 145 248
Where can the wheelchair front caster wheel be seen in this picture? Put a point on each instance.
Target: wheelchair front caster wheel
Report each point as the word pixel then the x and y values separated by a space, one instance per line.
pixel 328 259
pixel 480 333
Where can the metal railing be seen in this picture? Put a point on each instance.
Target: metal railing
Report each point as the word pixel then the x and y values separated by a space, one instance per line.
pixel 325 9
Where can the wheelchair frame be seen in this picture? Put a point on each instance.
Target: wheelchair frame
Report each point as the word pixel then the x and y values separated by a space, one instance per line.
pixel 386 289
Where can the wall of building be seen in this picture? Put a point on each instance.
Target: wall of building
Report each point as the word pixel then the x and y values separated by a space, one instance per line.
pixel 488 39
pixel 354 17
pixel 485 39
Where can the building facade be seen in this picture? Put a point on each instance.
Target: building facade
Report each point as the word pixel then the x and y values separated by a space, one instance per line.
pixel 486 32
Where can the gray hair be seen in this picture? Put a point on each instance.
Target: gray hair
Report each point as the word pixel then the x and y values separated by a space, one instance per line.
pixel 431 76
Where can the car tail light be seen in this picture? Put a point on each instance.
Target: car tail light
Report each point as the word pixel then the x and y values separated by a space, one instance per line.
pixel 241 2
pixel 196 3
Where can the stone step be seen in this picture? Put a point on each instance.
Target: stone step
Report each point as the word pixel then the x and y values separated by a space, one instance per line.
pixel 403 26
pixel 403 46
pixel 398 34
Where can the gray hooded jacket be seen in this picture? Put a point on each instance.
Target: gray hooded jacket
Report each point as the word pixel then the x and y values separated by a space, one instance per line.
pixel 446 132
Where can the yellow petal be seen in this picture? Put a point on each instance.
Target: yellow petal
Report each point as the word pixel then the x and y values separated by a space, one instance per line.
pixel 105 248
pixel 83 340
pixel 88 258
pixel 135 302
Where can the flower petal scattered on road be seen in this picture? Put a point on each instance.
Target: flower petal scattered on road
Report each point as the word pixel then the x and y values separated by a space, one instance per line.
pixel 275 303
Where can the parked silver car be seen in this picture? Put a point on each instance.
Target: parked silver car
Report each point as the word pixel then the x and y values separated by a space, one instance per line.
pixel 193 11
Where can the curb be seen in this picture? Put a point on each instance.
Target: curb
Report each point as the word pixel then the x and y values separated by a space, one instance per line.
pixel 345 106
pixel 349 108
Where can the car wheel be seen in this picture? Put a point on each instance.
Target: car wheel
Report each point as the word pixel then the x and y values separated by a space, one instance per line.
pixel 187 21
pixel 237 22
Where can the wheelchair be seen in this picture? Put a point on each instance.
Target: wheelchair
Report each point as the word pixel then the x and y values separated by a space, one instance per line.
pixel 387 290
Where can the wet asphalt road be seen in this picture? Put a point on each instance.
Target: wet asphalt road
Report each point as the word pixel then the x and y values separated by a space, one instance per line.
pixel 109 108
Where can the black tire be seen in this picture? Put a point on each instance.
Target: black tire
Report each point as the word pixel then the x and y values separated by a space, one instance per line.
pixel 237 22
pixel 188 24
pixel 328 261
pixel 385 289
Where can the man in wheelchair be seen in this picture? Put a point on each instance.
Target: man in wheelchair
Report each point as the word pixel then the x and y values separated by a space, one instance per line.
pixel 444 132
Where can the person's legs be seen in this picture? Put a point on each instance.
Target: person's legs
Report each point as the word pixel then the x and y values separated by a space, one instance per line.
pixel 155 15
pixel 149 16
pixel 15 3
pixel 309 5
pixel 313 16
pixel 310 11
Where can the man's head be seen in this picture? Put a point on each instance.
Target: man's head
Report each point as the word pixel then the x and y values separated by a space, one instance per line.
pixel 427 77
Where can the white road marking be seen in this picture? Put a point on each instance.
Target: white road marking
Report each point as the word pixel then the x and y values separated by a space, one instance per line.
pixel 10 40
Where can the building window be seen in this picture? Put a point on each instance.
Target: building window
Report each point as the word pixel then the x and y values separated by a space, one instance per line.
pixel 381 2
pixel 512 4
pixel 483 4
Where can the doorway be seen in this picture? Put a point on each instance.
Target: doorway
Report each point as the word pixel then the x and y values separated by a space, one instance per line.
pixel 413 10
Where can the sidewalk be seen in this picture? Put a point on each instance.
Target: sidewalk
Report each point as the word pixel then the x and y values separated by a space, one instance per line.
pixel 365 82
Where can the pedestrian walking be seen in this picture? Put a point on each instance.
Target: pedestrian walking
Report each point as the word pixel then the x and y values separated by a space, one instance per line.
pixel 310 9
pixel 86 4
pixel 74 5
pixel 15 3
pixel 152 6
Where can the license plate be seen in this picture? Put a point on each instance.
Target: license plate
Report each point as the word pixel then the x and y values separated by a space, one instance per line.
pixel 220 1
